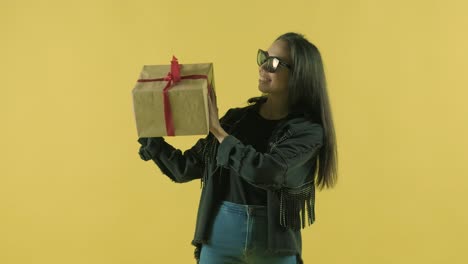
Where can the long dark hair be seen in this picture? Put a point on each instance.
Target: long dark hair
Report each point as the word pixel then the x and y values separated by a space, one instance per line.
pixel 308 96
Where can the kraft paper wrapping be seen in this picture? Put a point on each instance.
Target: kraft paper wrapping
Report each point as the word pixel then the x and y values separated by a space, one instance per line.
pixel 188 100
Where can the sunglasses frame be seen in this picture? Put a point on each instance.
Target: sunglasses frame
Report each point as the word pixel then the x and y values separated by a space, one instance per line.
pixel 267 57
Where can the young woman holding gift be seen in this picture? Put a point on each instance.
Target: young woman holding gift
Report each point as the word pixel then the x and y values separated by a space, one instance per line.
pixel 260 164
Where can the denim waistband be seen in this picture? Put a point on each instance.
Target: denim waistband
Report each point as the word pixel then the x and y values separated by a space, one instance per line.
pixel 256 210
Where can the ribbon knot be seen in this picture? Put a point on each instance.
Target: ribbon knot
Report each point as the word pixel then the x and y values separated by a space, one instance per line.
pixel 169 77
pixel 174 74
pixel 175 70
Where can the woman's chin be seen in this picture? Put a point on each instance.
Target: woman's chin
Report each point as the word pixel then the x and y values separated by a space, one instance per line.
pixel 262 88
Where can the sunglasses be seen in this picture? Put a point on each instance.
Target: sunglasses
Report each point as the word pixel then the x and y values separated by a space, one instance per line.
pixel 270 64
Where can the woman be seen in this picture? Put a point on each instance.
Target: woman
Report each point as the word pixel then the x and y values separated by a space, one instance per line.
pixel 260 164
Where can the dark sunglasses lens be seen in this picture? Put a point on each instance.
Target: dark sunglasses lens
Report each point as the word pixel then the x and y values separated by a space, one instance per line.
pixel 261 57
pixel 273 64
pixel 269 64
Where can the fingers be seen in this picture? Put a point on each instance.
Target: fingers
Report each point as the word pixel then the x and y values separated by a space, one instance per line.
pixel 144 155
pixel 213 96
pixel 212 100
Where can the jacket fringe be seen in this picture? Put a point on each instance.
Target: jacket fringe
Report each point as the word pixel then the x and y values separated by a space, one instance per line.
pixel 209 153
pixel 197 253
pixel 297 205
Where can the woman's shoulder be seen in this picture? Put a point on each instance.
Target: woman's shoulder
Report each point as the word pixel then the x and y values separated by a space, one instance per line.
pixel 300 128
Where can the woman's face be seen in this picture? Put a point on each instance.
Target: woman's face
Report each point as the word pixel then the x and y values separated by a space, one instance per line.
pixel 277 82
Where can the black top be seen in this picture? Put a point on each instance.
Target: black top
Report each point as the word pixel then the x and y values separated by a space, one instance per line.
pixel 253 130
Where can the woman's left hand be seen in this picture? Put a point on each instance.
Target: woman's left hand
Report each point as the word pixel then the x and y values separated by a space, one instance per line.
pixel 215 126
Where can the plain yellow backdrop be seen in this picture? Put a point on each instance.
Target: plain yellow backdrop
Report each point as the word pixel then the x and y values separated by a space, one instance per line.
pixel 74 190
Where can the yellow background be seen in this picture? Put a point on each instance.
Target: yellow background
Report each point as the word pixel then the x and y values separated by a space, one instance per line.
pixel 74 190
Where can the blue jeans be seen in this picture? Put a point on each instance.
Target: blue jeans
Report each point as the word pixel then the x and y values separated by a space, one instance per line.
pixel 239 235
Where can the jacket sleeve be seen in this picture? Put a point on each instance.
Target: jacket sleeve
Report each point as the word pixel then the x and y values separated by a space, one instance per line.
pixel 179 167
pixel 271 170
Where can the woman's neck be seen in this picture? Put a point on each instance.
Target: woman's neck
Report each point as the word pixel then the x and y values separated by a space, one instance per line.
pixel 274 108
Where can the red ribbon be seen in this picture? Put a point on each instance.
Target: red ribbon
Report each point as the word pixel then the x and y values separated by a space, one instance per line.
pixel 173 77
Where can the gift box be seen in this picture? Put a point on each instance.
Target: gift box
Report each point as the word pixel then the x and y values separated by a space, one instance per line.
pixel 172 100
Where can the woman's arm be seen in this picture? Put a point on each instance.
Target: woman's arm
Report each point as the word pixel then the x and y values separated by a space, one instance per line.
pixel 179 167
pixel 287 163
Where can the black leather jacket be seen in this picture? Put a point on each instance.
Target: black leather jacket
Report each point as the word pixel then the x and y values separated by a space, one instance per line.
pixel 286 171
